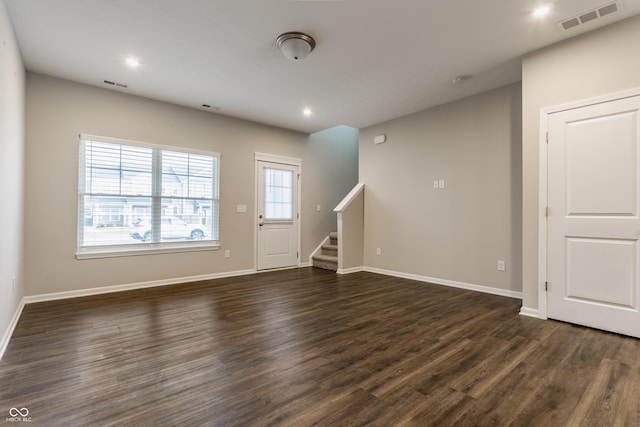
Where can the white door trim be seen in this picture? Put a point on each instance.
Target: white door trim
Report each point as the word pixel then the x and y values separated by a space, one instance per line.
pixel 274 158
pixel 542 182
pixel 290 161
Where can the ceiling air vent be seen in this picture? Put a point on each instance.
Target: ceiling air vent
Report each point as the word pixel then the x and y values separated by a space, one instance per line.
pixel 122 85
pixel 590 15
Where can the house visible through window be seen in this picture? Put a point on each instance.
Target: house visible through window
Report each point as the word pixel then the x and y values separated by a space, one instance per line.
pixel 136 195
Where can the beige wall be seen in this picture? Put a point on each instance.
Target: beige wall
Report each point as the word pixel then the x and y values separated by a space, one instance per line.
pixel 594 64
pixel 58 110
pixel 460 232
pixel 351 235
pixel 11 172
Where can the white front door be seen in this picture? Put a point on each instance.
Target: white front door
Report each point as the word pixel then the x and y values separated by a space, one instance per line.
pixel 278 216
pixel 593 223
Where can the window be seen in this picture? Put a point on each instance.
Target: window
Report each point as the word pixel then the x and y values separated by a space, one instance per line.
pixel 136 197
pixel 278 194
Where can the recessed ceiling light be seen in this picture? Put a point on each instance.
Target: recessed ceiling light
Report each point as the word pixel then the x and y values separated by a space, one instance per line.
pixel 307 112
pixel 132 62
pixel 541 11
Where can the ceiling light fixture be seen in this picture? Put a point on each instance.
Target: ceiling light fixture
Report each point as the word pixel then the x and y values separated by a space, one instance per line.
pixel 307 112
pixel 295 45
pixel 541 11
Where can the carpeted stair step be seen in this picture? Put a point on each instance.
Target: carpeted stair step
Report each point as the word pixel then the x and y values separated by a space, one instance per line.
pixel 328 256
pixel 326 262
pixel 331 250
pixel 333 238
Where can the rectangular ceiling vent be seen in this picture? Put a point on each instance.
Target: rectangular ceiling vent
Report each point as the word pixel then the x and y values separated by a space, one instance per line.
pixel 122 85
pixel 589 16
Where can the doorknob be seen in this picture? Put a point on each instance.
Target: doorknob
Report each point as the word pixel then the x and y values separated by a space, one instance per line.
pixel 260 220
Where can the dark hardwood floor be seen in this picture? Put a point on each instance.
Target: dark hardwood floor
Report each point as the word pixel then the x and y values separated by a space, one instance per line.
pixel 309 347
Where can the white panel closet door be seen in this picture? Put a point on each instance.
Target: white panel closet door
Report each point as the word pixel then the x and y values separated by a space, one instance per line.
pixel 593 224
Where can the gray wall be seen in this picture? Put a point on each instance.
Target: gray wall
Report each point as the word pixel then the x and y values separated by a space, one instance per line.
pixel 333 149
pixel 58 110
pixel 594 64
pixel 460 232
pixel 12 96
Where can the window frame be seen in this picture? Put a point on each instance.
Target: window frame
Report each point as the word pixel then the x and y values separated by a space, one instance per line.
pixel 84 251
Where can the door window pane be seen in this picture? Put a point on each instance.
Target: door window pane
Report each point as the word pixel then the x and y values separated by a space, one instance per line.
pixel 278 194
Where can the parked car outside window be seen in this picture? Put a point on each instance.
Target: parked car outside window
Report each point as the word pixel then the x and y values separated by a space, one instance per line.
pixel 172 228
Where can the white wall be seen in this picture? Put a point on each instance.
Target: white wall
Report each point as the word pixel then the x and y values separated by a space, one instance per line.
pixel 11 172
pixel 58 110
pixel 594 64
pixel 460 232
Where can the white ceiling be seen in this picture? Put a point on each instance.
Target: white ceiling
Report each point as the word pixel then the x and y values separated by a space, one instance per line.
pixel 375 59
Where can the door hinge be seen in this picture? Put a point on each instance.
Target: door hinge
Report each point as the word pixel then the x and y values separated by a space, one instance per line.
pixel 547 211
pixel 298 215
pixel 297 254
pixel 546 286
pixel 547 137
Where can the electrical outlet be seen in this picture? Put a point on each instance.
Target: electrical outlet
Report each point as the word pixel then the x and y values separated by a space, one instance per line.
pixel 13 283
pixel 501 265
pixel 378 251
pixel 227 253
pixel 317 208
pixel 441 184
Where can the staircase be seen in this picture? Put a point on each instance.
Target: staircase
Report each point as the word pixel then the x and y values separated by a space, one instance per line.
pixel 328 256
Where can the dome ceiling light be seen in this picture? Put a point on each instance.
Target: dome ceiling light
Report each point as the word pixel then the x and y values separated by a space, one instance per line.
pixel 294 45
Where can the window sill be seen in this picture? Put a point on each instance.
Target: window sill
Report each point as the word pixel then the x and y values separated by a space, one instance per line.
pixel 146 249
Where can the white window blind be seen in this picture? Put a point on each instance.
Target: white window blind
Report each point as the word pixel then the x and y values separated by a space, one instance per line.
pixel 137 195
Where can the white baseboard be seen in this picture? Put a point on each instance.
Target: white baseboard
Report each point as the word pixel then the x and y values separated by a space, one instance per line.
pixel 12 326
pixel 446 282
pixel 131 286
pixel 530 312
pixel 350 270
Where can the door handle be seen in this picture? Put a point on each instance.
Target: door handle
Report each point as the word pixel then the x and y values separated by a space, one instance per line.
pixel 260 221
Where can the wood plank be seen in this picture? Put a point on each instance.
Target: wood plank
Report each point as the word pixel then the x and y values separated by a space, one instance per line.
pixel 309 347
